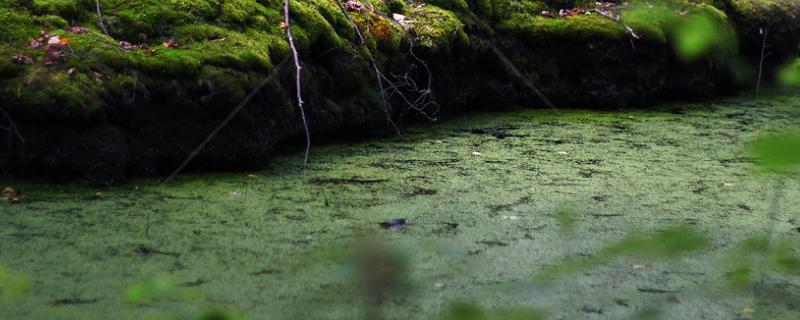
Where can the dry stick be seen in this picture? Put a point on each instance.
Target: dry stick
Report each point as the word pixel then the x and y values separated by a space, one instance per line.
pixel 11 128
pixel 507 62
pixel 225 122
pixel 761 63
pixel 377 70
pixel 100 16
pixel 298 68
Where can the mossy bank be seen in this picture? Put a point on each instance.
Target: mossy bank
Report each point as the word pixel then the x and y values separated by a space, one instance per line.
pixel 137 99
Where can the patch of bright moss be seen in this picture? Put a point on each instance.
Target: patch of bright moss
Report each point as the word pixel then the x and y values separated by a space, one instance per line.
pixel 436 28
pixel 577 28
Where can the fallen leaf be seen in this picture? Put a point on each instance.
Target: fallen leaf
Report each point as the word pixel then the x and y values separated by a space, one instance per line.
pixel 54 40
pixel 170 43
pixel 21 59
pixel 78 30
pixel 400 19
pixel 37 43
pixel 8 193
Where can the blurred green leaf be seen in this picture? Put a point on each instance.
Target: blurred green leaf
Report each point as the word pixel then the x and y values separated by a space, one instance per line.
pixel 471 311
pixel 790 73
pixel 778 153
pixel 648 313
pixel 12 285
pixel 760 254
pixel 160 288
pixel 670 243
pixel 698 34
pixel 220 314
pixel 566 220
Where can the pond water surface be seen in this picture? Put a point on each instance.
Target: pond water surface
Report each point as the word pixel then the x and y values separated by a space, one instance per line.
pixel 482 196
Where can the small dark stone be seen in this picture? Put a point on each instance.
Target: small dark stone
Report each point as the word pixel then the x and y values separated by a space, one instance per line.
pixel 679 110
pixel 393 224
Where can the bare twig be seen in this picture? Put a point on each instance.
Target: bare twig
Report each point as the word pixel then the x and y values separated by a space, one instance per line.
pixel 507 62
pixel 100 16
pixel 374 64
pixel 298 69
pixel 761 62
pixel 10 127
pixel 228 119
pixel 400 86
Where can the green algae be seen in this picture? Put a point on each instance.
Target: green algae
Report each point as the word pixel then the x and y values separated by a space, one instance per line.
pixel 482 195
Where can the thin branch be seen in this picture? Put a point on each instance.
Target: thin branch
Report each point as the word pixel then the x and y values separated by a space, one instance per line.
pixel 507 62
pixel 761 62
pixel 100 16
pixel 11 127
pixel 378 74
pixel 298 69
pixel 228 119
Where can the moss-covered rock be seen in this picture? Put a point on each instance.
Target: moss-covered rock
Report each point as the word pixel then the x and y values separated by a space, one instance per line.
pixel 184 64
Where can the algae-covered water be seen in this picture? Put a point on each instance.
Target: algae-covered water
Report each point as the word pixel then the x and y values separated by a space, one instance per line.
pixel 481 195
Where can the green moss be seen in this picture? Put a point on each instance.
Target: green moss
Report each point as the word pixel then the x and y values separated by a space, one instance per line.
pixel 240 11
pixel 452 5
pixel 56 92
pixel 17 26
pixel 499 10
pixel 312 29
pixel 169 63
pixel 146 20
pixel 204 9
pixel 436 28
pixel 578 28
pixel 779 17
pixel 67 8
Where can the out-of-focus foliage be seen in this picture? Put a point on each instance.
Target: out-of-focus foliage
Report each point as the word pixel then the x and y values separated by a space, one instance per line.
pixel 790 74
pixel 207 314
pixel 470 311
pixel 702 33
pixel 164 288
pixel 669 243
pixel 778 153
pixel 758 255
pixel 566 219
pixel 159 288
pixel 12 285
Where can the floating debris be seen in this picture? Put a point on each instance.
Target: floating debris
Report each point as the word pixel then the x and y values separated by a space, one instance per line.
pixel 393 224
